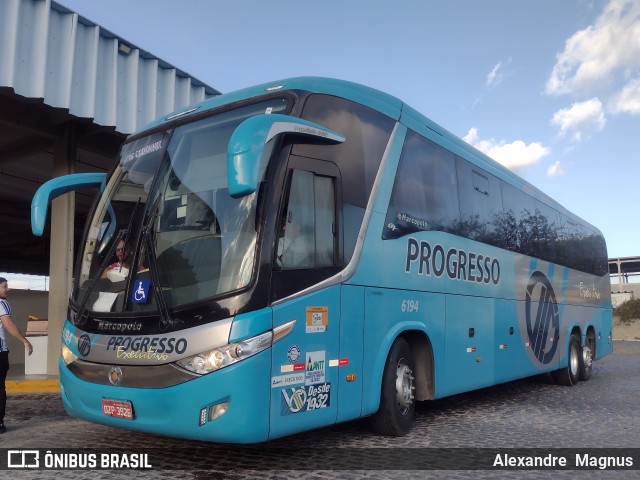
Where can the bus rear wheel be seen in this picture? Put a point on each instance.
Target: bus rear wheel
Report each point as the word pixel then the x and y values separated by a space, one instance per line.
pixel 570 374
pixel 397 402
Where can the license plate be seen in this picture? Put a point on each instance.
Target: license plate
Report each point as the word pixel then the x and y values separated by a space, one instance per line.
pixel 117 408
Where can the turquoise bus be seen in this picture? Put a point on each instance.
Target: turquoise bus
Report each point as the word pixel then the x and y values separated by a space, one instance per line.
pixel 313 251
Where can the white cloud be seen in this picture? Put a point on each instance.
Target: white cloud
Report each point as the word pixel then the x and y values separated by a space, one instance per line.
pixel 512 155
pixel 555 170
pixel 592 55
pixel 494 78
pixel 580 119
pixel 628 100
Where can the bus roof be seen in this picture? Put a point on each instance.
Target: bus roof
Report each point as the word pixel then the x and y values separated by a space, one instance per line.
pixel 385 104
pixel 370 97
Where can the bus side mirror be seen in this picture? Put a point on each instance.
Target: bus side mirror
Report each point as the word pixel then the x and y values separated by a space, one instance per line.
pixel 246 146
pixel 56 187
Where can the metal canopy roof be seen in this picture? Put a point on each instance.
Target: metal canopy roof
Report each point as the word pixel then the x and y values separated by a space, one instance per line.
pixel 65 79
pixel 628 266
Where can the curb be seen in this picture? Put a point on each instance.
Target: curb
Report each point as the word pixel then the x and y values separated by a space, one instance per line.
pixel 32 386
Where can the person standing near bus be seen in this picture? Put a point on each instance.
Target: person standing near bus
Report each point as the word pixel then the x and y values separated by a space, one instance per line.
pixel 7 325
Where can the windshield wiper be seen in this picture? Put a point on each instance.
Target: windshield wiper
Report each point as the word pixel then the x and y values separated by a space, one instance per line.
pixel 165 320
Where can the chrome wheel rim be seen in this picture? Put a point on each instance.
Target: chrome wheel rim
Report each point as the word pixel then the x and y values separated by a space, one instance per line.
pixel 404 386
pixel 574 361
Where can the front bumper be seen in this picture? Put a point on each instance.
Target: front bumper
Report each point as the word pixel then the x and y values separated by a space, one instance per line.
pixel 176 410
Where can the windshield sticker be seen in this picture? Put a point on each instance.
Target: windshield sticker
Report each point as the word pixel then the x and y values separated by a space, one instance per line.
pixel 141 152
pixel 140 292
pixel 105 301
pixel 317 319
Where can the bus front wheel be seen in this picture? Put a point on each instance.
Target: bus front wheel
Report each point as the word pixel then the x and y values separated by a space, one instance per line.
pixel 397 402
pixel 570 374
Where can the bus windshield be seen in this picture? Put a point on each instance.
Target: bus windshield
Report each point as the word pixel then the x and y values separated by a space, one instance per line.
pixel 166 224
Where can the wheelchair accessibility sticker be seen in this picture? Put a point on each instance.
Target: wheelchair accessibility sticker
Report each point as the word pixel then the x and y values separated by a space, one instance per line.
pixel 140 292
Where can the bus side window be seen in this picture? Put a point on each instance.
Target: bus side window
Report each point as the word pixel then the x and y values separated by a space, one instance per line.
pixel 307 223
pixel 425 190
pixel 480 203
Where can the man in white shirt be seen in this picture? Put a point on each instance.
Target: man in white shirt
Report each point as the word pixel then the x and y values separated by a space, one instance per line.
pixel 7 325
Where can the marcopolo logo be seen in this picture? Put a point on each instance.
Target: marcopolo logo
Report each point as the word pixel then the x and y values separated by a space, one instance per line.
pixel 543 319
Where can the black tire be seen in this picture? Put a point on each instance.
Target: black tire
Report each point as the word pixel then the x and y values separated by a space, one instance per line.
pixel 588 354
pixel 570 374
pixel 397 403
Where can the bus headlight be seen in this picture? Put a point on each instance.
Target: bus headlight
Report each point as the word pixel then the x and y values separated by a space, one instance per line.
pixel 67 355
pixel 212 360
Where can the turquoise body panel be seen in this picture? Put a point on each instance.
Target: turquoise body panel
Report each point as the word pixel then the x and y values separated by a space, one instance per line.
pixel 305 383
pixel 499 349
pixel 176 410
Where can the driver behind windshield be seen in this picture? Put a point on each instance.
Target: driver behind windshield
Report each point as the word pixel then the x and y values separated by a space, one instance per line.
pixel 119 270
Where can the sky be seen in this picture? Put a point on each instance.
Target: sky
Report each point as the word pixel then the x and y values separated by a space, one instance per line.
pixel 549 88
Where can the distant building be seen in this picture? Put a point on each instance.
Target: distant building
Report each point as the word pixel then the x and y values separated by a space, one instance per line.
pixel 625 279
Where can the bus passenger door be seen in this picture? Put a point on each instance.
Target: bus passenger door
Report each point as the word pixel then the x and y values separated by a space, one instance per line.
pixel 304 383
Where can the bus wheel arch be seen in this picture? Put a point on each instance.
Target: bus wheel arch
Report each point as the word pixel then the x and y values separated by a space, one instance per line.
pixel 424 366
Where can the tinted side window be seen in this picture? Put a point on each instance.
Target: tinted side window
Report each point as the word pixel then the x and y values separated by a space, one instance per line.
pixel 572 246
pixel 434 190
pixel 548 226
pixel 519 221
pixel 425 191
pixel 367 133
pixel 601 262
pixel 480 202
